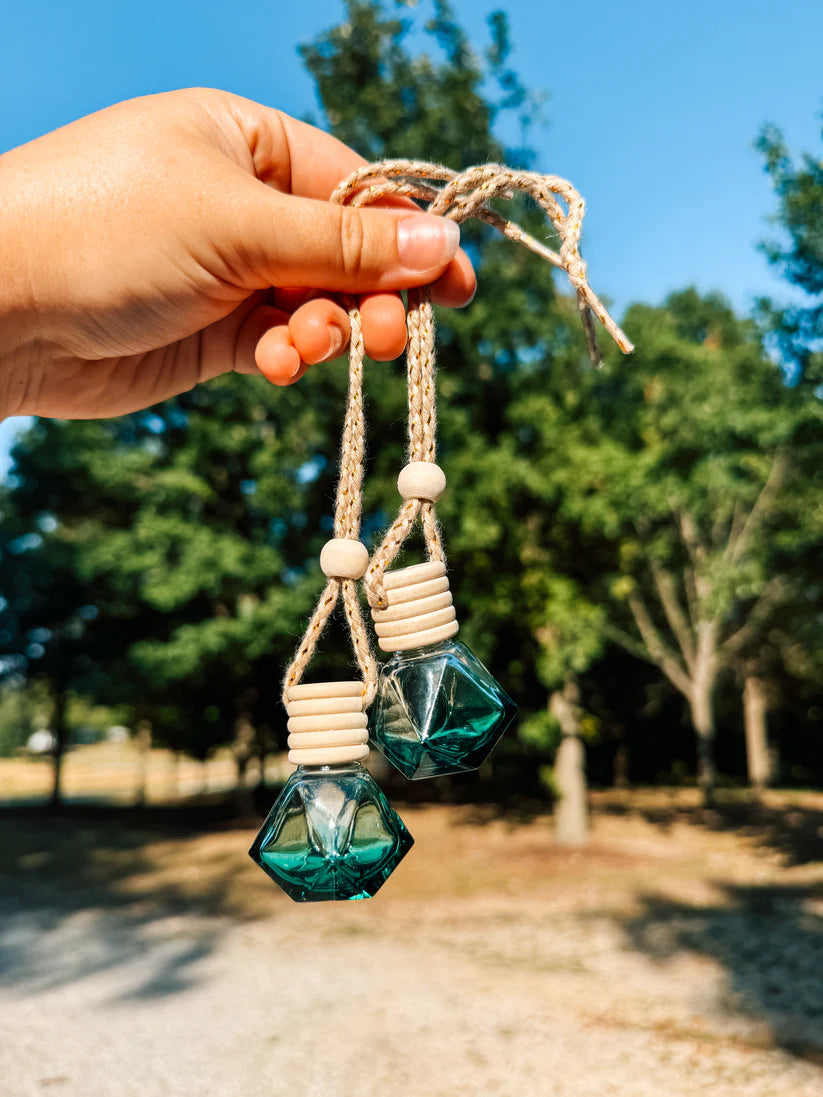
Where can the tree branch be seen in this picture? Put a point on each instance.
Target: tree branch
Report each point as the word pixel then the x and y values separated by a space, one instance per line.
pixel 737 523
pixel 692 600
pixel 628 642
pixel 664 581
pixel 698 554
pixel 772 594
pixel 690 537
pixel 659 652
pixel 738 544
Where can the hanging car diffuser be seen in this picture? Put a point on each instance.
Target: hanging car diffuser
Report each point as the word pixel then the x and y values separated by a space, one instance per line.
pixel 332 834
pixel 438 710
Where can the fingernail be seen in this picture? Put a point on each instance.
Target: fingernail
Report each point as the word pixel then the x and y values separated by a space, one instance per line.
pixel 336 341
pixel 296 368
pixel 424 241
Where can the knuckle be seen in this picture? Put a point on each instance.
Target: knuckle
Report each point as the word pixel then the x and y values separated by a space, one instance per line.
pixel 352 242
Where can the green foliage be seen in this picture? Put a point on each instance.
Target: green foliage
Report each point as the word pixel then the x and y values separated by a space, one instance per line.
pixel 411 103
pixel 797 254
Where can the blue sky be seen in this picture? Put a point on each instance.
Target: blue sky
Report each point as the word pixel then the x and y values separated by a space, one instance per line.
pixel 653 110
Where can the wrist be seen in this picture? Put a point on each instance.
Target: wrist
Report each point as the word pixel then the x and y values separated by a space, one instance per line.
pixel 18 309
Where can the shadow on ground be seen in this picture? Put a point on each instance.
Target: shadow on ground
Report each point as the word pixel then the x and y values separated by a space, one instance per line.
pixel 794 831
pixel 768 939
pixel 87 890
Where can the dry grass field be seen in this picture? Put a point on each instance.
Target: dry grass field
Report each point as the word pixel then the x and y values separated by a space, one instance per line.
pixel 142 953
pixel 113 772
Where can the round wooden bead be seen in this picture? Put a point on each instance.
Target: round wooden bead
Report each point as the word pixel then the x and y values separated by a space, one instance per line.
pixel 341 558
pixel 421 480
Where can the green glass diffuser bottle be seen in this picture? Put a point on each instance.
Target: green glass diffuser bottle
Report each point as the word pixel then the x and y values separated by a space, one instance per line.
pixel 331 834
pixel 438 710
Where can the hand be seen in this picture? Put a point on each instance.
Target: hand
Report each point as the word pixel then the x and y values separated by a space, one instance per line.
pixel 166 240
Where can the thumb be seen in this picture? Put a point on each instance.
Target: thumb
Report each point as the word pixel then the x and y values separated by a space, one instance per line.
pixel 304 242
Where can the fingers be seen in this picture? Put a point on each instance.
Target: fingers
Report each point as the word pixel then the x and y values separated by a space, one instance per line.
pixel 263 346
pixel 457 285
pixel 282 347
pixel 383 316
pixel 287 241
pixel 319 327
pixel 282 344
pixel 319 330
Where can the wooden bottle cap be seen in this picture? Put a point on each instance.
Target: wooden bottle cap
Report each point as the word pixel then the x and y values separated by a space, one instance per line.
pixel 420 610
pixel 327 724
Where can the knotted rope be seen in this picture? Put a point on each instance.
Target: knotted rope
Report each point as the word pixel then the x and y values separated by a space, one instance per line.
pixel 462 195
pixel 465 194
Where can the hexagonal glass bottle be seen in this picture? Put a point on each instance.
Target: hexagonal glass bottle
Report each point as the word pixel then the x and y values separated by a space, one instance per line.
pixel 438 710
pixel 331 834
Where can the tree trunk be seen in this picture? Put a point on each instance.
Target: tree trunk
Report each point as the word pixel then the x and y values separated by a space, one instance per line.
pixel 143 745
pixel 243 748
pixel 571 812
pixel 60 739
pixel 264 744
pixel 262 755
pixel 701 704
pixel 620 770
pixel 757 744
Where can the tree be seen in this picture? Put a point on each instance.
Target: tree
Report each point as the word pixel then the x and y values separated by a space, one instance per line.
pixel 45 634
pixel 797 330
pixel 23 710
pixel 678 468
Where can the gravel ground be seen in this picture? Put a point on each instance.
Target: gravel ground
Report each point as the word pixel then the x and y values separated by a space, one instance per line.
pixel 663 961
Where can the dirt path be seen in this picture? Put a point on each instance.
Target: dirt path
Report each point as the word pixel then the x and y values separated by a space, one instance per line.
pixel 665 961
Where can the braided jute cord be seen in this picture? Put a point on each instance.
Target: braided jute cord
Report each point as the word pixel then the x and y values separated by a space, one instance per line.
pixel 462 195
pixel 347 513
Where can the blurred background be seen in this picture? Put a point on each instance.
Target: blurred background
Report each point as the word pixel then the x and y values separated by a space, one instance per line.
pixel 628 898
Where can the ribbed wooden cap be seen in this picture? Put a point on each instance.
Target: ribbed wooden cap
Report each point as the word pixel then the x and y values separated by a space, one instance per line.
pixel 420 610
pixel 327 724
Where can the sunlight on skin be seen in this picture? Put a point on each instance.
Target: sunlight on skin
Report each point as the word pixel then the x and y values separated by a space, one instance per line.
pixel 221 205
